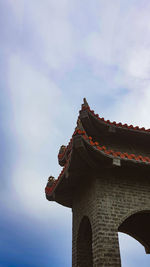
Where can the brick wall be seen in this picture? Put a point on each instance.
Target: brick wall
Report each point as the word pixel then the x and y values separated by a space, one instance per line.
pixel 107 200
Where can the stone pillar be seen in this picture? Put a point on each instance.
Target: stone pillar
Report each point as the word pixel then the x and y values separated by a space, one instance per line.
pixel 105 243
pixel 112 203
pixel 104 247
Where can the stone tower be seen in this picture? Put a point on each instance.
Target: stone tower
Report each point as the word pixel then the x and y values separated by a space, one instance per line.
pixel 106 181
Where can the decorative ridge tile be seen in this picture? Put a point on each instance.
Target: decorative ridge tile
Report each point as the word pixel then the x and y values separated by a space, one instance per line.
pixel 49 189
pixel 118 154
pixel 137 128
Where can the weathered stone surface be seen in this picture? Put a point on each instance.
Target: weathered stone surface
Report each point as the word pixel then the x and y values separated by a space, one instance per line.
pixel 107 200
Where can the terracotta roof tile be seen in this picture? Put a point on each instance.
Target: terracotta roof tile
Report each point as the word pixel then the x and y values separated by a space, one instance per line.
pixel 115 123
pixel 49 190
pixel 67 151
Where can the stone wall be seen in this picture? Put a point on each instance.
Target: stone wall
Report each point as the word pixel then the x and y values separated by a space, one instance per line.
pixel 107 200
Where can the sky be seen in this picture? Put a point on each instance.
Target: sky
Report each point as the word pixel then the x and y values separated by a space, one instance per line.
pixel 52 54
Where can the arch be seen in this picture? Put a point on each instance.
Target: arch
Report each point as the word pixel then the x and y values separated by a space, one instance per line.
pixel 84 244
pixel 137 225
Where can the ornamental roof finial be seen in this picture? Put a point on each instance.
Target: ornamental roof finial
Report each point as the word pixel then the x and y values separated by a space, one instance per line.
pixel 62 149
pixel 51 180
pixel 79 125
pixel 85 103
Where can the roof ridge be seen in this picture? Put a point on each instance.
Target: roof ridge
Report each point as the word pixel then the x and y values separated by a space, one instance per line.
pixel 63 151
pixel 118 154
pixel 130 127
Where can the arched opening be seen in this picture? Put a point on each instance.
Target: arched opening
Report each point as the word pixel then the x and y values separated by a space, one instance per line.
pixel 84 244
pixel 138 226
pixel 132 252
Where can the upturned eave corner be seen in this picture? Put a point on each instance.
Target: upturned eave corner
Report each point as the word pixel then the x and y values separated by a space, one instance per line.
pixel 90 146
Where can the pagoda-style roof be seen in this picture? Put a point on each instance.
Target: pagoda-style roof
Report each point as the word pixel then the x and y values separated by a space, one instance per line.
pixel 98 145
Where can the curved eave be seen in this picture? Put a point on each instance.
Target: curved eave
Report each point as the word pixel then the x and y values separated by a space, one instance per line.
pixel 70 177
pixel 96 127
pixel 111 157
pixel 86 155
pixel 108 123
pixel 62 158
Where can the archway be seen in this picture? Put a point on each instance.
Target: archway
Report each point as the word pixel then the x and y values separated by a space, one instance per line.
pixel 137 226
pixel 132 252
pixel 84 244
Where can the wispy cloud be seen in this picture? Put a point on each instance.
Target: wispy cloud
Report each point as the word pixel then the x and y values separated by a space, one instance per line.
pixel 53 53
pixel 47 31
pixel 119 53
pixel 35 100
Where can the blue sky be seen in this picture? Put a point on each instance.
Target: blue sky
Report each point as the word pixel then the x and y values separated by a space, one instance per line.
pixel 52 54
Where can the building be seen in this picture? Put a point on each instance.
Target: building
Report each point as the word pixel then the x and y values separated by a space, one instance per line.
pixel 106 181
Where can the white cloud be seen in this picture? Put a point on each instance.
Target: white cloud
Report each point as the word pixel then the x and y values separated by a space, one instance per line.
pixel 123 39
pixel 132 252
pixel 47 31
pixel 129 245
pixel 119 55
pixel 134 108
pixel 139 64
pixel 28 188
pixel 120 41
pixel 53 31
pixel 35 100
pixel 18 9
